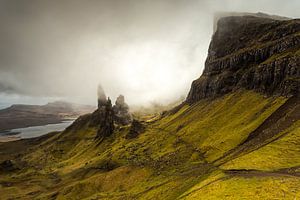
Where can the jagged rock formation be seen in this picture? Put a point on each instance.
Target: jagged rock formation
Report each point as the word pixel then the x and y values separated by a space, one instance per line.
pixel 106 116
pixel 252 53
pixel 103 116
pixel 136 128
pixel 107 121
pixel 121 111
pixel 101 96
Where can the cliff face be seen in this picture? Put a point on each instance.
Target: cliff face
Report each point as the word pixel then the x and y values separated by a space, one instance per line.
pixel 252 53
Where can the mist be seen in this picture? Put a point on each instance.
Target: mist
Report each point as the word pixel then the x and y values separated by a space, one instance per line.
pixel 147 50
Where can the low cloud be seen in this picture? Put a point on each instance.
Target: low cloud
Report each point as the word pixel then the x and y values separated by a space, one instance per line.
pixel 147 50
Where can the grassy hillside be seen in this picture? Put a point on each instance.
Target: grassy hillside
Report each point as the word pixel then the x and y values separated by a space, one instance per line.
pixel 193 153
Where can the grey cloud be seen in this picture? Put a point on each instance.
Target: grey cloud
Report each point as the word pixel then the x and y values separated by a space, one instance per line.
pixel 6 88
pixel 64 48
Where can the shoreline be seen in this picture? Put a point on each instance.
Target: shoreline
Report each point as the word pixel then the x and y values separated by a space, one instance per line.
pixel 14 135
pixel 40 124
pixel 9 138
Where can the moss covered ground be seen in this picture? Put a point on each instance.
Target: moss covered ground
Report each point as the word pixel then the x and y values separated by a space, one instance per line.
pixel 173 159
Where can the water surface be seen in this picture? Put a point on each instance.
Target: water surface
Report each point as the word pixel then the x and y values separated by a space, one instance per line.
pixel 36 131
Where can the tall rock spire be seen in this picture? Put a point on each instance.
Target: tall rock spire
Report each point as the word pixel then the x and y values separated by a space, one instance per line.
pixel 101 96
pixel 107 123
pixel 121 111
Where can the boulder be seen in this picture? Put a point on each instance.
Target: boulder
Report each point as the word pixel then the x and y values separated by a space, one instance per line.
pixel 136 129
pixel 7 165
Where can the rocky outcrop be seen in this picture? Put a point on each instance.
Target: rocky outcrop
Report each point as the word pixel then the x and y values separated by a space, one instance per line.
pixel 252 53
pixel 107 116
pixel 121 111
pixel 101 97
pixel 7 166
pixel 136 128
pixel 107 121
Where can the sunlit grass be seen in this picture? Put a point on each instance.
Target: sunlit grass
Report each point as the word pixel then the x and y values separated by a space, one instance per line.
pixel 276 187
pixel 170 160
pixel 280 154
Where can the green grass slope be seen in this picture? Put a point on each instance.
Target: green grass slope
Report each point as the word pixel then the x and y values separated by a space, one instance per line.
pixel 183 155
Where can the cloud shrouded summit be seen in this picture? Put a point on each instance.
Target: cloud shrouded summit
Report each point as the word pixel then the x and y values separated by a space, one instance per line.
pixel 146 50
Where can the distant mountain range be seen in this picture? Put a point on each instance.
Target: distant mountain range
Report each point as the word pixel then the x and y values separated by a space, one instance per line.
pixel 21 115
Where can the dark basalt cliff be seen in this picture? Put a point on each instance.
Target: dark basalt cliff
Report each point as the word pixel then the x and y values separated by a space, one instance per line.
pixel 250 52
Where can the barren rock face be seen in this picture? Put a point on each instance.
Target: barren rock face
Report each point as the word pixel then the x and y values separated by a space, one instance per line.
pixel 135 129
pixel 121 101
pixel 107 121
pixel 121 111
pixel 107 116
pixel 252 53
pixel 101 96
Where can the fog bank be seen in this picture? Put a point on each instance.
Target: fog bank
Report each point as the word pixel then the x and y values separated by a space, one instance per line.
pixel 147 50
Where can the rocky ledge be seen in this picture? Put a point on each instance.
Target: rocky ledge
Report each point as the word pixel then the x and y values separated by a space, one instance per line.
pixel 251 52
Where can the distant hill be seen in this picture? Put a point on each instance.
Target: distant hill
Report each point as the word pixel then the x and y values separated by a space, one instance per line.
pixel 21 115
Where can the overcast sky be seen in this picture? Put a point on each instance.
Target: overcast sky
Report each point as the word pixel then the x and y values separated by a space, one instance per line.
pixel 148 50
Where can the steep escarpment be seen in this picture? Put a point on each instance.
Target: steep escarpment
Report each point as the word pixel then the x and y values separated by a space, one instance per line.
pixel 252 53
